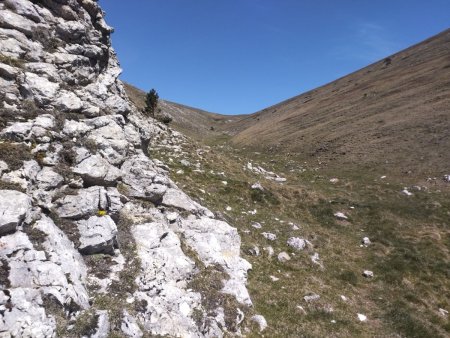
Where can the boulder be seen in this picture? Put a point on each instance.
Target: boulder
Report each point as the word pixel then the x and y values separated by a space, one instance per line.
pixel 48 179
pixel 88 202
pixel 39 88
pixel 298 243
pixel 216 242
pixel 269 236
pixel 95 170
pixel 14 207
pixel 260 321
pixel 97 235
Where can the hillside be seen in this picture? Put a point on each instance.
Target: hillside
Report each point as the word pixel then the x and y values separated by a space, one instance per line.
pixel 395 111
pixel 193 122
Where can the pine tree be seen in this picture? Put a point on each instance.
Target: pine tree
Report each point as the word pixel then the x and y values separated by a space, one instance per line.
pixel 151 102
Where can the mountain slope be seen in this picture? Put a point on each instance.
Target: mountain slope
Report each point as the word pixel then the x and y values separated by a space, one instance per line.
pixel 396 110
pixel 191 121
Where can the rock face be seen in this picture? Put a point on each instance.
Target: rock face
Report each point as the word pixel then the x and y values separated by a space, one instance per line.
pixel 90 226
pixel 14 206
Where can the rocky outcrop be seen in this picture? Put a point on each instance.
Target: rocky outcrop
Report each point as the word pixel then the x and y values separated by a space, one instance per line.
pixel 95 238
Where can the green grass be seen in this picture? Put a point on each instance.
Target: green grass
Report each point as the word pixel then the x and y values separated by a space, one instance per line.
pixel 409 254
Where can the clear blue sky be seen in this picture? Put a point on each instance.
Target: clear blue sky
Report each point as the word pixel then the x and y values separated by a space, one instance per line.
pixel 239 56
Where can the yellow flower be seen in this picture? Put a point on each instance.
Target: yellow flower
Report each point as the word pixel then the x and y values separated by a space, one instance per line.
pixel 102 213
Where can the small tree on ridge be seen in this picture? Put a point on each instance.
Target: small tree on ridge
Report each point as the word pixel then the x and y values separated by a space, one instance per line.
pixel 151 101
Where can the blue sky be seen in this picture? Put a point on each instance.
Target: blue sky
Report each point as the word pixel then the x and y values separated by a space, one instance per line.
pixel 240 56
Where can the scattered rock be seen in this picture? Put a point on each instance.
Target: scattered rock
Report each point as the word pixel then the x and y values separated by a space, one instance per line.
pixel 185 163
pixel 443 312
pixel 334 180
pixel 298 243
pixel 341 216
pixel 361 317
pixel 254 251
pixel 260 321
pixel 274 279
pixel 269 250
pixel 269 236
pixel 406 192
pixel 283 257
pixel 257 225
pixel 311 297
pixel 366 241
pixel 257 186
pixel 447 178
pixel 367 274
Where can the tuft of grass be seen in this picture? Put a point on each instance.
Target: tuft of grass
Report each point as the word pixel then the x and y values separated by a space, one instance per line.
pixel 14 154
pixel 10 61
pixel 401 318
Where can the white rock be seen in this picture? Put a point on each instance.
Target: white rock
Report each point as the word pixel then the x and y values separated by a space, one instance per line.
pixel 97 235
pixel 298 243
pixel 447 178
pixel 87 203
pixel 269 236
pixel 3 167
pixel 274 279
pixel 26 317
pixel 14 207
pixel 311 298
pixel 406 192
pixel 39 88
pixel 361 317
pixel 68 101
pixel 366 241
pixel 216 242
pixel 283 257
pixel 48 179
pixel 443 312
pixel 367 274
pixel 260 321
pixel 340 216
pixel 102 329
pixel 97 171
pixel 257 186
pixel 269 250
pixel 257 225
pixel 129 326
pixel 254 251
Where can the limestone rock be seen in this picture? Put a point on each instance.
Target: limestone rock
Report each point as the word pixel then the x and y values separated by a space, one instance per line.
pixel 129 326
pixel 260 321
pixel 269 236
pixel 14 207
pixel 216 242
pixel 97 235
pixel 97 171
pixel 26 317
pixel 48 179
pixel 283 257
pixel 298 243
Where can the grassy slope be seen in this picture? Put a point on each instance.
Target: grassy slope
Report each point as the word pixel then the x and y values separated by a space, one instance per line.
pixel 193 122
pixel 409 255
pixel 394 113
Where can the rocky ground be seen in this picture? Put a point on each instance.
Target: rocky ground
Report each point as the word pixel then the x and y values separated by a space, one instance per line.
pixel 95 238
pixel 356 252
